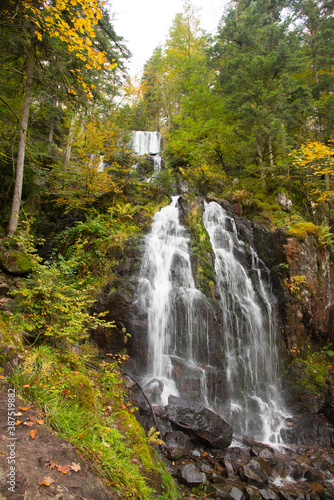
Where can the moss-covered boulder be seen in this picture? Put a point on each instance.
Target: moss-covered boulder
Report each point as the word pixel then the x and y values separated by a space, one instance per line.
pixel 15 262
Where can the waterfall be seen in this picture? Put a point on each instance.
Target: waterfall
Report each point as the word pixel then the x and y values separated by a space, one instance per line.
pixel 249 328
pixel 177 327
pixel 157 163
pixel 223 355
pixel 145 143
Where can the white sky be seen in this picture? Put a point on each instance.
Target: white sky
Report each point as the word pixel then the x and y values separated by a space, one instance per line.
pixel 144 24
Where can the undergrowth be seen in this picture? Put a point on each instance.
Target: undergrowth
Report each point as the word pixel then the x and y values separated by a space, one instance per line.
pixel 315 370
pixel 86 406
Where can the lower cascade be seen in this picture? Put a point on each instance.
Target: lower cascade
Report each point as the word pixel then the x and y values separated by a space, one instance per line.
pixel 177 340
pixel 237 374
pixel 249 329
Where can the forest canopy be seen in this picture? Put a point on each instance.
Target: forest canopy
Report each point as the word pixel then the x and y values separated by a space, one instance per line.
pixel 247 103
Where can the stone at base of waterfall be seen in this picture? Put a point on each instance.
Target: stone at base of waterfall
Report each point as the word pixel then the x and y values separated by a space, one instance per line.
pixel 237 494
pixel 178 445
pixel 268 494
pixel 190 475
pixel 257 471
pixel 202 423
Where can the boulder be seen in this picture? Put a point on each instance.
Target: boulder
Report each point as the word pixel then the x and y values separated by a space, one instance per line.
pixel 178 445
pixel 268 494
pixel 237 494
pixel 219 491
pixel 253 493
pixel 283 201
pixel 257 471
pixel 202 423
pixel 190 475
pixel 15 262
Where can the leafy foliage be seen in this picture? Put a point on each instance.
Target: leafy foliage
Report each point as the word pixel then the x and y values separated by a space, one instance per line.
pixel 50 305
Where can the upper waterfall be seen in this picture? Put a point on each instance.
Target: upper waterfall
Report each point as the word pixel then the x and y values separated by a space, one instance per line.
pixel 145 143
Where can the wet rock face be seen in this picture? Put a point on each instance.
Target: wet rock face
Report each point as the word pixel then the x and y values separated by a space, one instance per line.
pixel 201 422
pixel 328 407
pixel 308 429
pixel 116 301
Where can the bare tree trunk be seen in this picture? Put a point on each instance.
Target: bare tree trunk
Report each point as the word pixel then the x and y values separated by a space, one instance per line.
pixel 262 167
pixel 271 156
pixel 52 124
pixel 14 217
pixel 70 138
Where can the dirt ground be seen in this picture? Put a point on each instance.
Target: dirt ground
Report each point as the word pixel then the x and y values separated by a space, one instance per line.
pixel 27 461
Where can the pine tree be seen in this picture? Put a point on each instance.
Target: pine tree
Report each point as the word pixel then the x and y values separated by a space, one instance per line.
pixel 256 56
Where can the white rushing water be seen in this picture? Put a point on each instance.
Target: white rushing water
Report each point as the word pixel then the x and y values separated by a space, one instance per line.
pixel 255 406
pixel 145 143
pixel 175 324
pixel 227 360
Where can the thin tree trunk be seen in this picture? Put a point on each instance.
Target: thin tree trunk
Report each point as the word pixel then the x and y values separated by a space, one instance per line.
pixel 52 124
pixel 262 169
pixel 271 156
pixel 67 155
pixel 14 217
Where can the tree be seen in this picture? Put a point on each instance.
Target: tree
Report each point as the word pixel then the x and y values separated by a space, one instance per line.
pixel 316 159
pixel 92 170
pixel 256 57
pixel 46 31
pixel 314 23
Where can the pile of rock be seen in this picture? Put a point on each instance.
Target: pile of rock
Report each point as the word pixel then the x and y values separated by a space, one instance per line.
pixel 200 454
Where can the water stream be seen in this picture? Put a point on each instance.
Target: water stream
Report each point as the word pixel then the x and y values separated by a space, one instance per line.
pixel 237 373
pixel 145 143
pixel 249 327
pixel 177 332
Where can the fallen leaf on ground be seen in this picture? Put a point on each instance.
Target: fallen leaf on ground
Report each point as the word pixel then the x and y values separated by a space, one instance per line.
pixel 52 465
pixel 46 481
pixel 64 469
pixel 18 414
pixel 18 422
pixel 29 424
pixel 24 408
pixel 75 467
pixel 32 433
pixel 40 422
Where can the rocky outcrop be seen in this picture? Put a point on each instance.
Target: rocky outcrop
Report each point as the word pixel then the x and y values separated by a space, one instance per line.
pixel 13 261
pixel 116 302
pixel 256 472
pixel 199 422
pixel 301 275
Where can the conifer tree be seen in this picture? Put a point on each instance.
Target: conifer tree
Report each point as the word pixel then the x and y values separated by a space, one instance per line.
pixel 256 57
